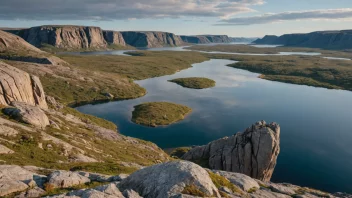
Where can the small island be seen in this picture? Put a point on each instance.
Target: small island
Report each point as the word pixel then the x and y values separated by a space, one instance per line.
pixel 194 82
pixel 153 114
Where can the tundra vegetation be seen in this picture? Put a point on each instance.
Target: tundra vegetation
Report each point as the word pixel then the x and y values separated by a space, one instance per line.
pixel 194 82
pixel 154 114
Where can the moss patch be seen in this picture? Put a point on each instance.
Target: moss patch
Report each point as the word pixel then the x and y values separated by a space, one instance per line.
pixel 159 113
pixel 193 190
pixel 220 181
pixel 194 82
pixel 179 152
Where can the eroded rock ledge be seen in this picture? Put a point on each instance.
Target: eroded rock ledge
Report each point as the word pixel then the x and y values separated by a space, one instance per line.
pixel 253 152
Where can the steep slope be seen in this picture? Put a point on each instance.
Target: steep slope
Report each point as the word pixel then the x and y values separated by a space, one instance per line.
pixel 323 39
pixel 151 39
pixel 13 47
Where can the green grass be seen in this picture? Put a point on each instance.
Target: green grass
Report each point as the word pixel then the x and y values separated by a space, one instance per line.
pixel 57 191
pixel 194 82
pixel 145 65
pixel 270 50
pixel 303 70
pixel 52 49
pixel 159 113
pixel 193 190
pixel 90 119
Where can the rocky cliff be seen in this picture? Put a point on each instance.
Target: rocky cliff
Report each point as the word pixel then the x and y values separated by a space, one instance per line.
pixel 204 39
pixel 114 37
pixel 151 39
pixel 85 37
pixel 253 152
pixel 68 37
pixel 323 39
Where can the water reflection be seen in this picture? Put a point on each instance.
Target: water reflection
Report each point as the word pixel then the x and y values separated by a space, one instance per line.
pixel 316 122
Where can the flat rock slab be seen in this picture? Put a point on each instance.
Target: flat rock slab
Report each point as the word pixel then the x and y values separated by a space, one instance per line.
pixel 65 179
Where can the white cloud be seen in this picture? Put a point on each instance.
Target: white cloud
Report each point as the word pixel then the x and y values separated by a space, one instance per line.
pixel 120 9
pixel 313 15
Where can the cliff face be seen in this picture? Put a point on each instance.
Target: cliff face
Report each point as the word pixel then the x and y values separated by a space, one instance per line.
pixel 204 39
pixel 195 39
pixel 151 39
pixel 113 37
pixel 253 152
pixel 80 37
pixel 68 37
pixel 324 39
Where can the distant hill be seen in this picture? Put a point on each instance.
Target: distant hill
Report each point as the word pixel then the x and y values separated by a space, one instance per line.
pixel 322 39
pixel 204 39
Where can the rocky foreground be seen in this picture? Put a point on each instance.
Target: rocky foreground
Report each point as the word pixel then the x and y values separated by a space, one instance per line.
pixel 175 179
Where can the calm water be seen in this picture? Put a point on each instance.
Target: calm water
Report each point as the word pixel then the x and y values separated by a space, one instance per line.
pixel 316 123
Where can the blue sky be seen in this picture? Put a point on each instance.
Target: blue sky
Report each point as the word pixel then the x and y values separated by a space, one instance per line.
pixel 249 18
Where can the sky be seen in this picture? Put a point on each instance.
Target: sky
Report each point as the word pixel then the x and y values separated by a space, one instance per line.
pixel 237 18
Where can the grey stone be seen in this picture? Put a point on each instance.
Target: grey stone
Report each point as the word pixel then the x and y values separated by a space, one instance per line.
pixel 283 189
pixel 16 179
pixel 267 194
pixel 130 194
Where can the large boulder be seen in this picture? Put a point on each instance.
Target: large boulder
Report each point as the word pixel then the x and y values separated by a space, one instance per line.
pixel 65 179
pixel 28 114
pixel 169 179
pixel 17 85
pixel 253 152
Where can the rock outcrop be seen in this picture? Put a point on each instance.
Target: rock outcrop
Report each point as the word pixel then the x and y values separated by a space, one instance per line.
pixel 114 37
pixel 16 179
pixel 169 179
pixel 322 39
pixel 26 113
pixel 253 152
pixel 151 39
pixel 65 37
pixel 204 39
pixel 17 85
